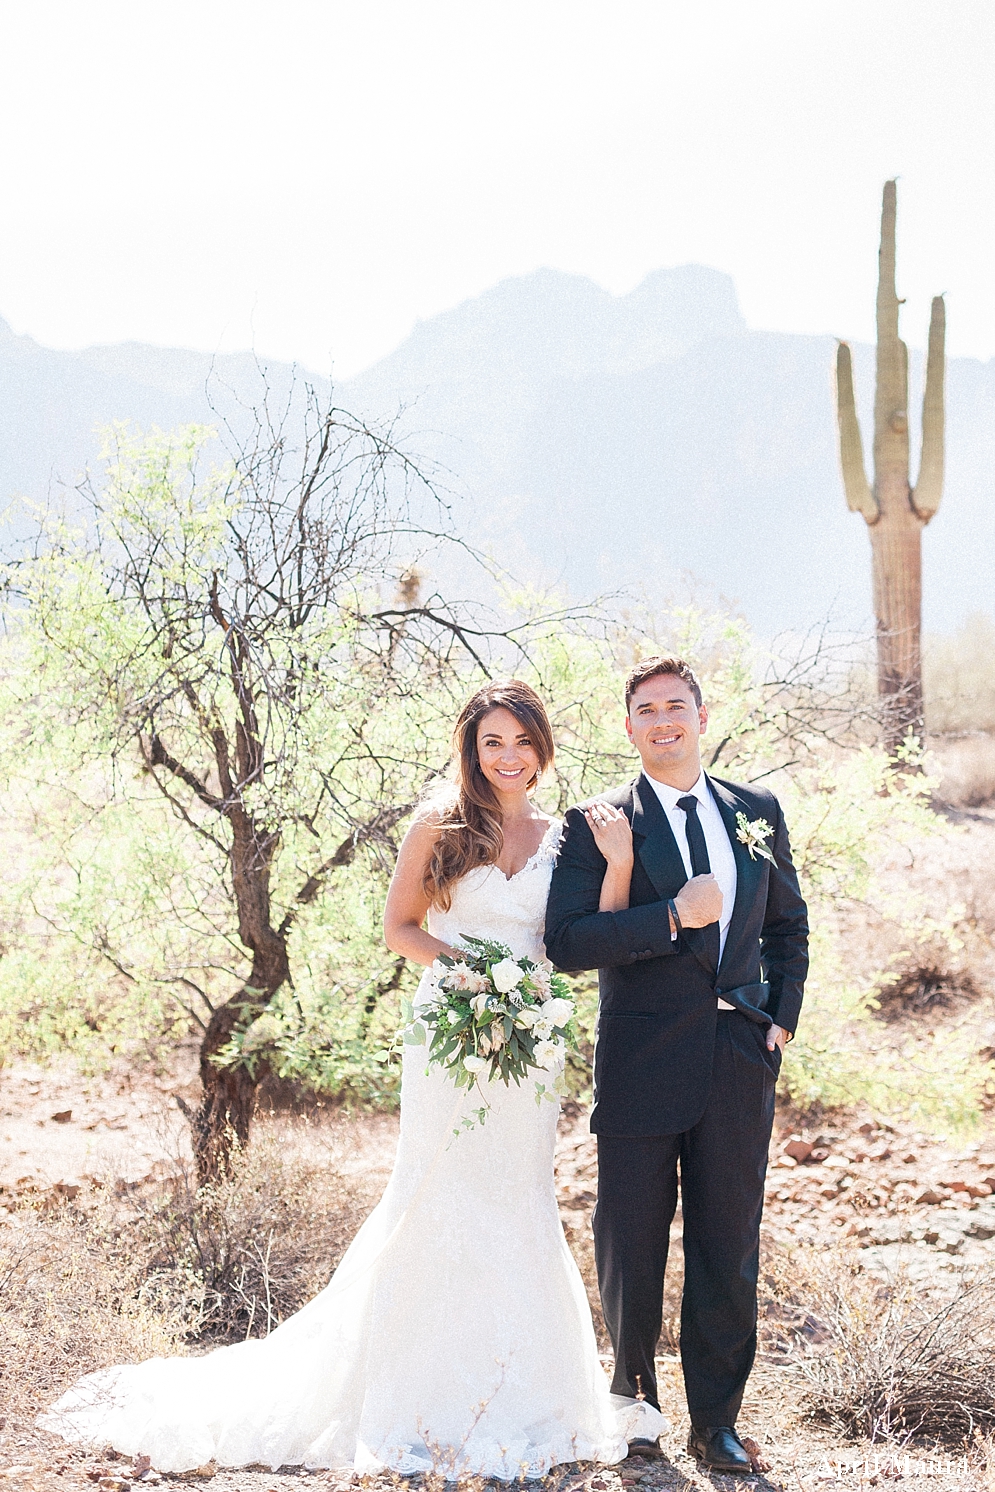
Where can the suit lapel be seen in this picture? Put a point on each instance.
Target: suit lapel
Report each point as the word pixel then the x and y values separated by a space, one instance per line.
pixel 662 861
pixel 748 871
pixel 654 841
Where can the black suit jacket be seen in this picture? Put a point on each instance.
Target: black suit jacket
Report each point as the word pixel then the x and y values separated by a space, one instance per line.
pixel 657 1011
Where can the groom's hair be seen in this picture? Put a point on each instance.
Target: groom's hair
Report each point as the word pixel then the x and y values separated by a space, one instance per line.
pixel 650 668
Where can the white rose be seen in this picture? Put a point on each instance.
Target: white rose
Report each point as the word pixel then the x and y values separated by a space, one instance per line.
pixel 474 1064
pixel 507 975
pixel 547 1053
pixel 479 1004
pixel 527 1017
pixel 558 1011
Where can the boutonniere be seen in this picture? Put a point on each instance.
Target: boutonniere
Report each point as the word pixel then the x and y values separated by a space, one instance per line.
pixel 752 833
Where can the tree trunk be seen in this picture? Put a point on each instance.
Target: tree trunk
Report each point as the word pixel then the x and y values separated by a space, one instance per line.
pixel 221 1124
pixel 223 1119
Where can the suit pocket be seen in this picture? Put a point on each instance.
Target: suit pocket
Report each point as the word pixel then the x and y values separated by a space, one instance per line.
pixel 771 1058
pixel 630 1042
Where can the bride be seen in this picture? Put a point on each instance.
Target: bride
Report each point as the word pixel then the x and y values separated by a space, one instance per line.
pixel 455 1333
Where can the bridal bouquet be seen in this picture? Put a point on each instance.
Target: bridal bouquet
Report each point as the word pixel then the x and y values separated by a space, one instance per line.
pixel 490 1016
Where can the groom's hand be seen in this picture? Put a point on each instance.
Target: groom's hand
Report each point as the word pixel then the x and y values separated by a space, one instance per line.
pixel 776 1036
pixel 699 901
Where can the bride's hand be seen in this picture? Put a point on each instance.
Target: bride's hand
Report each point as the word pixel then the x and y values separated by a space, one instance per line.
pixel 612 833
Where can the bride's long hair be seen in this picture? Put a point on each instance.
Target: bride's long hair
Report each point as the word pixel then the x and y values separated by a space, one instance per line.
pixel 466 811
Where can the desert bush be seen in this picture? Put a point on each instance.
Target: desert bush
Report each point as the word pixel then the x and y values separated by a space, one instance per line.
pixel 119 932
pixel 235 1258
pixel 121 1275
pixel 959 677
pixel 964 769
pixel 67 1307
pixel 893 1360
pixel 861 827
pixel 924 990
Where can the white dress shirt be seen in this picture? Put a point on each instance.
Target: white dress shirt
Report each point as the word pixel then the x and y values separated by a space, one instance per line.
pixel 720 854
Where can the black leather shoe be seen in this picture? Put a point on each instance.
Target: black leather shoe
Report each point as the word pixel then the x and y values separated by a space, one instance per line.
pixel 718 1448
pixel 649 1449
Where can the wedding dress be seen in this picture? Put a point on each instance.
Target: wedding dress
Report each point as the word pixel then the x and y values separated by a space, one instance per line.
pixel 455 1333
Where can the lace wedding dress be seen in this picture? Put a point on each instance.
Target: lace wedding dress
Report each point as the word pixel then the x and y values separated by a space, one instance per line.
pixel 455 1333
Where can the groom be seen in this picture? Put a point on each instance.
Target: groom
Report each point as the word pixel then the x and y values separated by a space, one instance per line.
pixel 700 986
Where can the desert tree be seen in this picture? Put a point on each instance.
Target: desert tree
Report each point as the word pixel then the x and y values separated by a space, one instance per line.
pixel 252 636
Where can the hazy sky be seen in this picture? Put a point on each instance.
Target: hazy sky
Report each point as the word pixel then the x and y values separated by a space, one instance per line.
pixel 312 176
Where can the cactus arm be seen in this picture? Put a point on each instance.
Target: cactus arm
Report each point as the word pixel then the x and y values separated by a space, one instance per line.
pixel 859 497
pixel 929 487
pixel 887 301
pixel 891 421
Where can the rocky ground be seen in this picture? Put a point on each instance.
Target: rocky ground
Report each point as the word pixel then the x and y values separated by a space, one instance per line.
pixel 907 1201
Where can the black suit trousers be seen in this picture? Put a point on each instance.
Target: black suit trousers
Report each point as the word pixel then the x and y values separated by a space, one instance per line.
pixel 722 1162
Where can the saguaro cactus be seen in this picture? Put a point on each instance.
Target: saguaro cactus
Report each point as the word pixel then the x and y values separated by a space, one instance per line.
pixel 895 512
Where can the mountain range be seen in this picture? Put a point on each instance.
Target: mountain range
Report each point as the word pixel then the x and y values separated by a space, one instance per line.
pixel 648 442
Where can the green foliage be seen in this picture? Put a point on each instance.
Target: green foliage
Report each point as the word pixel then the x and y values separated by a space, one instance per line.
pixel 118 920
pixel 331 1030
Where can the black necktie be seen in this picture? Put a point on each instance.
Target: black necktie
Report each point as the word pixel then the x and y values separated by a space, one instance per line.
pixel 700 866
pixel 696 837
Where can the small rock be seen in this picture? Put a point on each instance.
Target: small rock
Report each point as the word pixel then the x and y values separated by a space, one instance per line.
pixel 799 1150
pixel 63 1116
pixel 930 1197
pixel 786 1160
pixel 868 1129
pixel 910 1159
pixel 758 1461
pixel 979 1189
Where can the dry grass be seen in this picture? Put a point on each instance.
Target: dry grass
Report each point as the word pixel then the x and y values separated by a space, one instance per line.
pixel 959 676
pixel 887 1361
pixel 965 767
pixel 67 1308
pixel 236 1259
pixel 122 1274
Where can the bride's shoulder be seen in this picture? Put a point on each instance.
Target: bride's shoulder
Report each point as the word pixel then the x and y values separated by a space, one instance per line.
pixel 435 810
pixel 549 845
